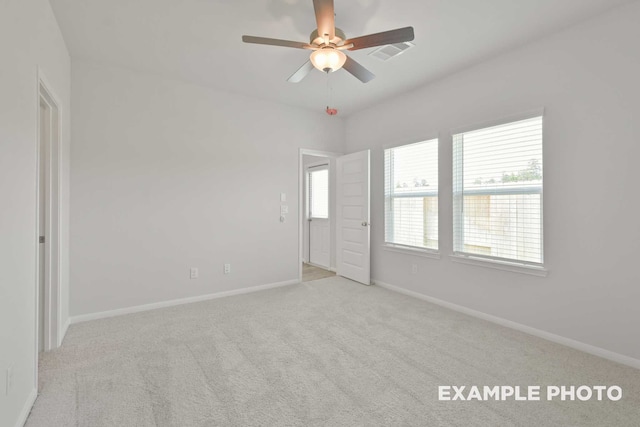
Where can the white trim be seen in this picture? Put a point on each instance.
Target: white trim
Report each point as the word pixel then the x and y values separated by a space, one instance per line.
pixel 532 270
pixel 63 333
pixel 53 242
pixel 163 304
pixel 331 156
pixel 318 165
pixel 417 140
pixel 558 339
pixel 26 409
pixel 53 222
pixel 538 112
pixel 426 253
pixel 319 153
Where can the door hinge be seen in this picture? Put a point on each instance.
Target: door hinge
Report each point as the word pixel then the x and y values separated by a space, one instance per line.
pixel 41 239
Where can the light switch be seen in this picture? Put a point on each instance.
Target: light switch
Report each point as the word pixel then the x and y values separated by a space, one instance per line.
pixel 283 197
pixel 284 209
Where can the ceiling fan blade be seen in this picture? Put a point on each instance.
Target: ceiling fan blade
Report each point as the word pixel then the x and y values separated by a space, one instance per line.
pixel 379 39
pixel 358 71
pixel 276 42
pixel 325 17
pixel 301 73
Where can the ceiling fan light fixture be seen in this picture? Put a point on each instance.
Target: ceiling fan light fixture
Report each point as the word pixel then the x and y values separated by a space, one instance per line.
pixel 328 59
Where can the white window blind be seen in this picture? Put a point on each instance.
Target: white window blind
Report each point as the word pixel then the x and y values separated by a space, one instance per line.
pixel 497 191
pixel 319 193
pixel 411 195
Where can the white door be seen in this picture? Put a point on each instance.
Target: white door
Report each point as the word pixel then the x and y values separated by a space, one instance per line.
pixel 45 132
pixel 319 237
pixel 352 228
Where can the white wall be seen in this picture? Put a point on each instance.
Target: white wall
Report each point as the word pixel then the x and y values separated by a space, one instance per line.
pixel 168 176
pixel 29 38
pixel 587 79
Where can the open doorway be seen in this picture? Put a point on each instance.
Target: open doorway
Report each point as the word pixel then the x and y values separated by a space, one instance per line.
pixel 317 213
pixel 48 221
pixel 317 234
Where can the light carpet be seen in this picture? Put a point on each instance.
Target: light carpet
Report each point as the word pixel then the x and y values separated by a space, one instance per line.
pixel 324 353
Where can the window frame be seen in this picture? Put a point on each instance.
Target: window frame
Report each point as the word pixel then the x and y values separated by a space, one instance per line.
pixel 397 247
pixel 508 264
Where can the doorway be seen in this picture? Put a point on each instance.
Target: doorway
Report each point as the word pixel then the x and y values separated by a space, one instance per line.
pixel 316 214
pixel 48 221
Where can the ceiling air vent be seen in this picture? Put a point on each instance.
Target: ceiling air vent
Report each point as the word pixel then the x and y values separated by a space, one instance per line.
pixel 387 52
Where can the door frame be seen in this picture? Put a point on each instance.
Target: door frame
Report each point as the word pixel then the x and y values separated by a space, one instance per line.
pixel 307 170
pixel 331 156
pixel 52 297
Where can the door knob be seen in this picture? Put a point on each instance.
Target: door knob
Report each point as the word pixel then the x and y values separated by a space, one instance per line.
pixel 365 223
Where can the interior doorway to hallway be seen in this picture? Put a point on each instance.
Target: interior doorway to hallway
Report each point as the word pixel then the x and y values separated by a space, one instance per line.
pixel 316 213
pixel 48 221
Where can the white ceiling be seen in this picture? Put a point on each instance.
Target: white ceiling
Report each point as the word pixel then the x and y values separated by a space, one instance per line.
pixel 199 41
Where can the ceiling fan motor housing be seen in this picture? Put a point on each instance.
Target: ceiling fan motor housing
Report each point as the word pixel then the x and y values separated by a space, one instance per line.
pixel 318 40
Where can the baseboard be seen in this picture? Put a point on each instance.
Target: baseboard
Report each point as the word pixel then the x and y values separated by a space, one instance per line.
pixel 24 414
pixel 171 303
pixel 63 333
pixel 587 348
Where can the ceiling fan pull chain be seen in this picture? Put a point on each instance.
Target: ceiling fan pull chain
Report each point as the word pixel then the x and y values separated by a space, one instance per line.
pixel 330 111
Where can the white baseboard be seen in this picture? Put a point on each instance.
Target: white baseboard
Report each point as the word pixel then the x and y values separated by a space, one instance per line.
pixel 587 348
pixel 171 303
pixel 63 333
pixel 26 409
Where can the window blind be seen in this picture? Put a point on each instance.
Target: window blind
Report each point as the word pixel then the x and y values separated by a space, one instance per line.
pixel 319 193
pixel 497 187
pixel 411 195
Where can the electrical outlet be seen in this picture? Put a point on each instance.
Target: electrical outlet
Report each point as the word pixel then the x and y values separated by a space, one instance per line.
pixel 9 379
pixel 193 273
pixel 414 268
pixel 227 268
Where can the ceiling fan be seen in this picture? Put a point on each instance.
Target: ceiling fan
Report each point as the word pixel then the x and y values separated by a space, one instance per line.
pixel 328 43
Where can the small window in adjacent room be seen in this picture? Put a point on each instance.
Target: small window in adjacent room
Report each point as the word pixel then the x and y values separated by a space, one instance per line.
pixel 497 192
pixel 411 195
pixel 318 181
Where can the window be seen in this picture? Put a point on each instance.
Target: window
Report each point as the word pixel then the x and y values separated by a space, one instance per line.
pixel 319 192
pixel 411 195
pixel 497 192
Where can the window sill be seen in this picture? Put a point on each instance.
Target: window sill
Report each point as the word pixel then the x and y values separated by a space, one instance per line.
pixel 501 265
pixel 427 253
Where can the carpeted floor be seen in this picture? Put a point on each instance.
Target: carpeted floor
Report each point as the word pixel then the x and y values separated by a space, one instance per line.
pixel 324 353
pixel 311 272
